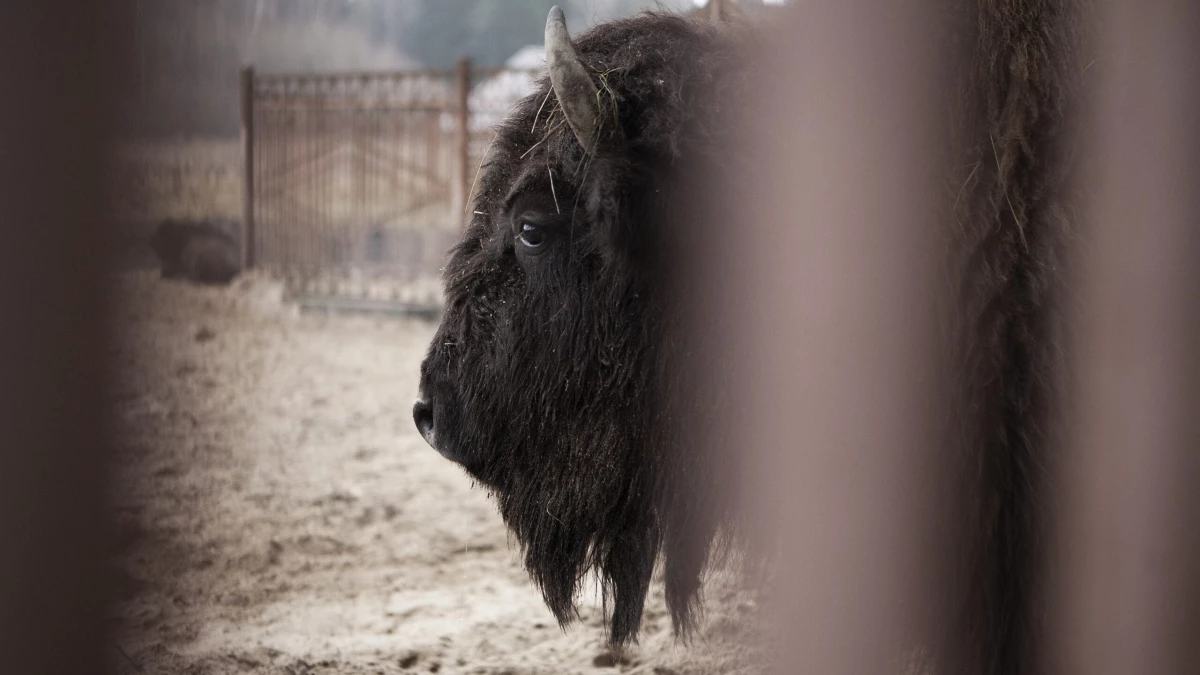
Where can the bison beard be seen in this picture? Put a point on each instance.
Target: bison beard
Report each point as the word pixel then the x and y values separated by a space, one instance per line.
pixel 558 377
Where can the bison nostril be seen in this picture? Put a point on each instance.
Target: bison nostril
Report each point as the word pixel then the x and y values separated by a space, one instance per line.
pixel 423 417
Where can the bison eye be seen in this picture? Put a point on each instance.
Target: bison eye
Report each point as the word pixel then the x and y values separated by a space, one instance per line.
pixel 532 236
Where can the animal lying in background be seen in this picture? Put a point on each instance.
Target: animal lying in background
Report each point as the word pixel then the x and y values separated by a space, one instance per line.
pixel 562 379
pixel 200 251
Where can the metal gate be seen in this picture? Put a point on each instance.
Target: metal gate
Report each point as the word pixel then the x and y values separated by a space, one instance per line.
pixel 356 182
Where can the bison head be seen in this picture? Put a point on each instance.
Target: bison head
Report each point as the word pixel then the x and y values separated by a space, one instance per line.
pixel 557 378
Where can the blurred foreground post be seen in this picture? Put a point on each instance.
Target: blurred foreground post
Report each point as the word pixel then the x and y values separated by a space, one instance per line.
pixel 58 74
pixel 1130 569
pixel 828 272
pixel 718 10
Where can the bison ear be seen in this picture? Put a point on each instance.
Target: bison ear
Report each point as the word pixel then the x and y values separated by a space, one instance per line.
pixel 621 201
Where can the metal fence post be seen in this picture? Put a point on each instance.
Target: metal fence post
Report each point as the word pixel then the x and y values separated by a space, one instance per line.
pixel 248 168
pixel 462 185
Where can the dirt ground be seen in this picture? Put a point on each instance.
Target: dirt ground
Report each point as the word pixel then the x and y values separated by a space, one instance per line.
pixel 278 513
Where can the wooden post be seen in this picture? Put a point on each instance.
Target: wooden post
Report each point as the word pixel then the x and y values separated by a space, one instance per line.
pixel 248 168
pixel 462 175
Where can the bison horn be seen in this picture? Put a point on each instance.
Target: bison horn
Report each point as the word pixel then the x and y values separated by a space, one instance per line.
pixel 577 94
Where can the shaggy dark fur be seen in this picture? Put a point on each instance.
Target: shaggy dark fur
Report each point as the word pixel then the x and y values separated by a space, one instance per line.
pixel 558 375
pixel 203 252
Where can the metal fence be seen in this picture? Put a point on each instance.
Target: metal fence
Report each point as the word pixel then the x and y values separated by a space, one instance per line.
pixel 356 183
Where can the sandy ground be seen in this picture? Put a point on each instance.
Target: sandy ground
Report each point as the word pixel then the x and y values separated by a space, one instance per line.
pixel 279 514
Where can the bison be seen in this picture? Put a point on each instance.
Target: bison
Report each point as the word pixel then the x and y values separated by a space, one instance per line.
pixel 563 377
pixel 199 251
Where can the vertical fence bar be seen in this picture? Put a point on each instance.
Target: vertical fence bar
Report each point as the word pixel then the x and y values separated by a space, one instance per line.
pixel 324 191
pixel 823 295
pixel 462 178
pixel 248 242
pixel 434 171
pixel 287 227
pixel 265 139
pixel 55 441
pixel 1130 567
pixel 377 237
pixel 266 211
pixel 312 164
pixel 262 164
